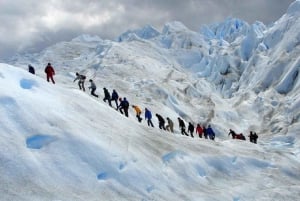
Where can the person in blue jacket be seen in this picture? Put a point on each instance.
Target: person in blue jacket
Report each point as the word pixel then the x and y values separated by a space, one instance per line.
pixel 210 133
pixel 148 116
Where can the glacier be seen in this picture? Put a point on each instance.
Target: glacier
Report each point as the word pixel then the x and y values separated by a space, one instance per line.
pixel 58 143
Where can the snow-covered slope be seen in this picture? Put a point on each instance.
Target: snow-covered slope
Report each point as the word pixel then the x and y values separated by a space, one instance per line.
pixel 59 143
pixel 68 146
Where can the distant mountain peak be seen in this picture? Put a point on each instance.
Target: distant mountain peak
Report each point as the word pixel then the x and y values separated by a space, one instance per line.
pixel 173 27
pixel 87 38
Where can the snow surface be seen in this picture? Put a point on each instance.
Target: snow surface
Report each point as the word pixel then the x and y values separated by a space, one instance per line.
pixel 59 143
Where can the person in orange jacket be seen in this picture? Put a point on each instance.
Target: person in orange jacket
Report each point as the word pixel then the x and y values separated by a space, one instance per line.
pixel 49 70
pixel 138 112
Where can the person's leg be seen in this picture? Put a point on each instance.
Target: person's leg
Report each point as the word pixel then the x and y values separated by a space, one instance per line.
pixel 51 77
pixel 93 93
pixel 82 84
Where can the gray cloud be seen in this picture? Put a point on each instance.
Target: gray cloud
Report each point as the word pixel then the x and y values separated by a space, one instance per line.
pixel 32 25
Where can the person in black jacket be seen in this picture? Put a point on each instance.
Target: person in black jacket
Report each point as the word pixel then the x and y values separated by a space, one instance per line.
pixel 161 121
pixel 253 137
pixel 191 129
pixel 31 69
pixel 124 106
pixel 182 126
pixel 106 96
pixel 115 97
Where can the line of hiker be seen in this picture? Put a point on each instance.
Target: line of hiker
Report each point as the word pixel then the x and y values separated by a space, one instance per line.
pixel 122 105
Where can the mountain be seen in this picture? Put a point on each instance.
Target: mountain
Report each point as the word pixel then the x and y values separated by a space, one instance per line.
pixel 66 145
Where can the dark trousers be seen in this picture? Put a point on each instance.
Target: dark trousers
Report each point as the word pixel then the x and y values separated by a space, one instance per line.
pixel 139 117
pixel 191 132
pixel 106 98
pixel 161 125
pixel 150 122
pixel 81 85
pixel 116 101
pixel 50 77
pixel 93 92
pixel 124 110
pixel 183 132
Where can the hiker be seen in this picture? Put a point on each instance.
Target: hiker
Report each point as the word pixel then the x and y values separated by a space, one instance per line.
pixel 204 132
pixel 253 137
pixel 199 130
pixel 170 126
pixel 115 97
pixel 93 88
pixel 148 116
pixel 49 70
pixel 124 106
pixel 138 112
pixel 106 96
pixel 191 129
pixel 232 133
pixel 161 121
pixel 81 79
pixel 236 136
pixel 31 69
pixel 182 126
pixel 210 133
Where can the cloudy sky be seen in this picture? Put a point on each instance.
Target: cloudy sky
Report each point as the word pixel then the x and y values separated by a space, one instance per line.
pixel 31 25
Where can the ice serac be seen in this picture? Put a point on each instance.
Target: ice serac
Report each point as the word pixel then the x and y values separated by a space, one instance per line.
pixel 294 8
pixel 229 30
pixel 252 40
pixel 147 32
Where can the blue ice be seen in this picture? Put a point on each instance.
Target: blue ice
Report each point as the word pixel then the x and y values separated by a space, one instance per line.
pixel 27 83
pixel 169 156
pixel 102 176
pixel 39 141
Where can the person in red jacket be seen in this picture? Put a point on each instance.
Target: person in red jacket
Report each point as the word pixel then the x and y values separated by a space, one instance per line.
pixel 50 72
pixel 199 130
